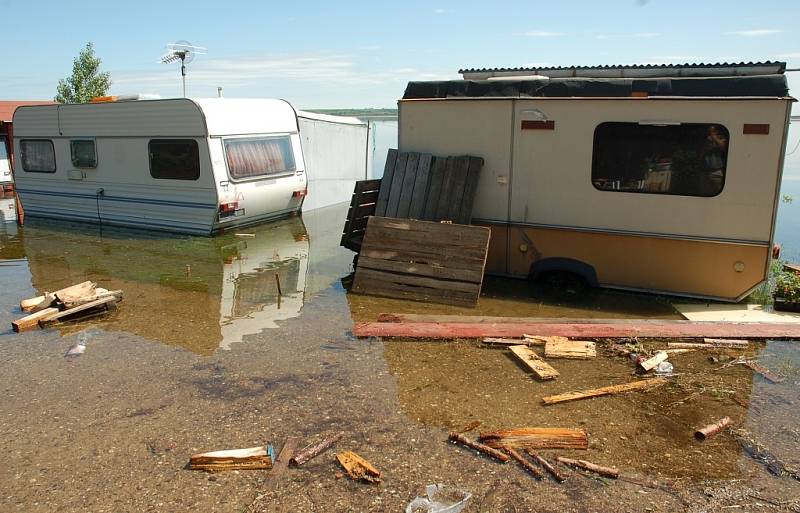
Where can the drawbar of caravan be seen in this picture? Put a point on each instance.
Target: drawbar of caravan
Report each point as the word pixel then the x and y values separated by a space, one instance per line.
pixel 183 165
pixel 655 178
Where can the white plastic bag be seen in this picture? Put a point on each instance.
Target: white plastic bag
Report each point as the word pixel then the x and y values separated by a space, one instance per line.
pixel 440 499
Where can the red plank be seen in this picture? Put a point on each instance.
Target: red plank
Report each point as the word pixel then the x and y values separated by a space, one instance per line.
pixel 648 329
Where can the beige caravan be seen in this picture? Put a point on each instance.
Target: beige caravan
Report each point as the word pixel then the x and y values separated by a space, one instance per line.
pixel 662 178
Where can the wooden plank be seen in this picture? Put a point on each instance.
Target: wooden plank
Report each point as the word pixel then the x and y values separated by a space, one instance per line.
pixel 417 281
pixel 539 367
pixel 358 468
pixel 407 189
pixel 470 190
pixel 72 302
pixel 630 328
pixel 652 362
pixel 489 319
pixel 234 459
pixel 726 342
pixel 458 184
pixel 31 321
pixel 597 392
pixel 385 285
pixel 433 271
pixel 443 200
pixel 419 195
pixel 435 188
pixel 72 311
pixel 83 288
pixel 386 183
pixel 580 349
pixel 282 461
pixel 536 438
pixel 768 374
pixel 397 184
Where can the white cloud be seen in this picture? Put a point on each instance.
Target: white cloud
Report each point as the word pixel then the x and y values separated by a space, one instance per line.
pixel 541 33
pixel 439 11
pixel 753 32
pixel 635 35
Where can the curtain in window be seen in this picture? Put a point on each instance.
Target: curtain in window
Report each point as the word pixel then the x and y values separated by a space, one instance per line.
pixel 38 156
pixel 256 157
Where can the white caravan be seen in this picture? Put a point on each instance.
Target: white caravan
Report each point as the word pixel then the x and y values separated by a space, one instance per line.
pixel 186 165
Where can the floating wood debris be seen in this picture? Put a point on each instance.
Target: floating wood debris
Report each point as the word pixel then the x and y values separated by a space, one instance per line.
pixel 252 458
pixel 773 377
pixel 580 349
pixel 627 329
pixel 539 367
pixel 710 343
pixel 536 438
pixel 485 449
pixel 597 392
pixel 587 465
pixel 358 468
pixel 78 301
pixel 558 476
pixel 527 465
pixel 706 432
pixel 652 362
pixel 422 261
pixel 313 450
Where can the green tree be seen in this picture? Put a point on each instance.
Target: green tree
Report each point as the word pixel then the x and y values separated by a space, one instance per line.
pixel 86 80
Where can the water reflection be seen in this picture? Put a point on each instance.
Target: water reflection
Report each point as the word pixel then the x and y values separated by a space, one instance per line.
pixel 199 293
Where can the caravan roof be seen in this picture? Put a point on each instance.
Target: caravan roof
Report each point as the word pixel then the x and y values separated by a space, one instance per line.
pixel 170 117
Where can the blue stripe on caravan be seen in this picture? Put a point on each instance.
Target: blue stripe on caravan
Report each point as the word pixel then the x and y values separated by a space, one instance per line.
pixel 186 204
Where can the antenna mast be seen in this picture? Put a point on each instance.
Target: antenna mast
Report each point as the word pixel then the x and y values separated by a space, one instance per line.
pixel 184 51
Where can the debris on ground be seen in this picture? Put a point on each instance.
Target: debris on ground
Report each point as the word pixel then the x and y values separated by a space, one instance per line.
pixel 79 301
pixel 469 427
pixel 597 392
pixel 710 343
pixel 358 468
pixel 761 454
pixel 439 499
pixel 485 449
pixel 558 476
pixel 580 349
pixel 536 438
pixel 281 462
pixel 664 369
pixel 771 376
pixel 706 432
pixel 252 458
pixel 313 450
pixel 648 364
pixel 527 465
pixel 531 359
pixel 587 465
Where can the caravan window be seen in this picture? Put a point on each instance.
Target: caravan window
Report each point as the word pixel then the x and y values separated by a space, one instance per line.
pixel 83 153
pixel 174 159
pixel 251 157
pixel 38 155
pixel 688 159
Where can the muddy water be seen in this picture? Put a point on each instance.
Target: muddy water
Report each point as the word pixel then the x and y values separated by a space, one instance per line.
pixel 204 355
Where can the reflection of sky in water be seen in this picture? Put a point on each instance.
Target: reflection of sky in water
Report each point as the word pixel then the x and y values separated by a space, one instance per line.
pixel 787 232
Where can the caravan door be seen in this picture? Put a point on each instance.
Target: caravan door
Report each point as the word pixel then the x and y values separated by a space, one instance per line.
pixel 265 177
pixel 5 164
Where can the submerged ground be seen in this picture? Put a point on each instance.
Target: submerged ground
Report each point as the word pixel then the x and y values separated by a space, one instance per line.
pixel 202 355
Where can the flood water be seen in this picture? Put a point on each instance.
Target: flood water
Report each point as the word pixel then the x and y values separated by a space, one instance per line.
pixel 204 354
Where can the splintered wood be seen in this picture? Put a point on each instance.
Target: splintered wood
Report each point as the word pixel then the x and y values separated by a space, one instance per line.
pixel 75 302
pixel 422 261
pixel 485 449
pixel 569 349
pixel 536 438
pixel 358 468
pixel 597 392
pixel 587 465
pixel 312 451
pixel 234 459
pixel 539 367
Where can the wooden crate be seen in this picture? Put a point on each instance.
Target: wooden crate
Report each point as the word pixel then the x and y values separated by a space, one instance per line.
pixel 422 261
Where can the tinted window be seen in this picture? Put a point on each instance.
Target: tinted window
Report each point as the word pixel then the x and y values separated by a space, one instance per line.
pixel 687 159
pixel 38 155
pixel 174 159
pixel 82 153
pixel 251 157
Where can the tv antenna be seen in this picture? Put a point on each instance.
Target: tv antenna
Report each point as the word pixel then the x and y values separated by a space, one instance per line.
pixel 183 51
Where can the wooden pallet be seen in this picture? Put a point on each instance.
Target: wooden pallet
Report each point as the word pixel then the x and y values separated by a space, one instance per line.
pixel 422 261
pixel 362 205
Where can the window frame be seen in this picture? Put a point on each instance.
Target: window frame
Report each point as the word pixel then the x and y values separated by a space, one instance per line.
pixel 94 151
pixel 22 156
pixel 173 141
pixel 250 137
pixel 639 123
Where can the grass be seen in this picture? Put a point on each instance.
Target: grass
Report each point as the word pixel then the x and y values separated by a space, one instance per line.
pixel 763 294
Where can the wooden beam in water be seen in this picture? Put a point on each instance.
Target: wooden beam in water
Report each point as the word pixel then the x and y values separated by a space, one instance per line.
pixel 597 392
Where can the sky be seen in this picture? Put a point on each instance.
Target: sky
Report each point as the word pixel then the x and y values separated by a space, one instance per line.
pixel 342 54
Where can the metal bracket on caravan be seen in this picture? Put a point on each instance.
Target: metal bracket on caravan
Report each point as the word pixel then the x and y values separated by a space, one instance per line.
pixel 569 265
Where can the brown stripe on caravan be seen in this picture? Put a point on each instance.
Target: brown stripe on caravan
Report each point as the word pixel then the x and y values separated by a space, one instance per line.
pixel 756 129
pixel 644 262
pixel 529 124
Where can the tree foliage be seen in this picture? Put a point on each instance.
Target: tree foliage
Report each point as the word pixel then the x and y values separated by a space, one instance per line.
pixel 86 80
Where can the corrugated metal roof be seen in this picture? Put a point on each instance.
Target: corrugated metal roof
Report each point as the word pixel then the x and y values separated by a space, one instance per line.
pixel 7 107
pixel 634 70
